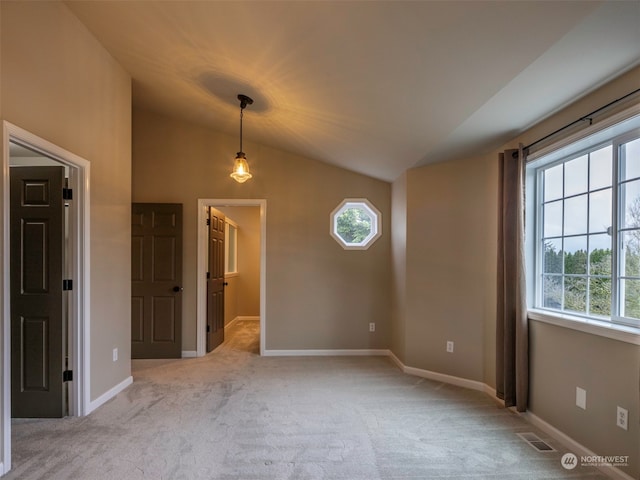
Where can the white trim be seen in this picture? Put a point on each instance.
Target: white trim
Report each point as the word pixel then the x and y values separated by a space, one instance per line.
pixel 571 444
pixel 189 354
pixel 201 268
pixel 109 394
pixel 376 223
pixel 450 379
pixel 444 378
pixel 231 323
pixel 240 319
pixel 326 353
pixel 80 230
pixel 587 325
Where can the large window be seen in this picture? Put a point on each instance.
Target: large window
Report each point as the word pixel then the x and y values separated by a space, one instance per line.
pixel 586 240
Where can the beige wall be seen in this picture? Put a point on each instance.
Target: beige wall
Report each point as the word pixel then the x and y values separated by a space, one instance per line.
pixel 607 369
pixel 318 295
pixel 450 257
pixel 450 252
pixel 399 266
pixel 242 296
pixel 60 84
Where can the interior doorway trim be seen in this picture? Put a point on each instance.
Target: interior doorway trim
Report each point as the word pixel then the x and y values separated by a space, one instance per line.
pixel 79 242
pixel 201 293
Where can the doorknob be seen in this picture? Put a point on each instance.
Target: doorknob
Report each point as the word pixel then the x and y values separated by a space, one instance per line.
pixel 177 289
pixel 225 284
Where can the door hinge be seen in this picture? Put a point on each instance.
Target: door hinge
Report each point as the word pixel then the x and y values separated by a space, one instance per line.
pixel 208 275
pixel 67 376
pixel 67 284
pixel 208 328
pixel 208 221
pixel 67 194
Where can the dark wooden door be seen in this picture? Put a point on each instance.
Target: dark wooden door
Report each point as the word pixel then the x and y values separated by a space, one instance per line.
pixel 156 280
pixel 215 280
pixel 37 259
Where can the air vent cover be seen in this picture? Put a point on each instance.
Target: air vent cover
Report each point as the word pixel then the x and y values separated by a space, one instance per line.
pixel 536 442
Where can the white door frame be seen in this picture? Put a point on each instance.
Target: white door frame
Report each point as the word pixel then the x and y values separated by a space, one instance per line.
pixel 201 294
pixel 79 235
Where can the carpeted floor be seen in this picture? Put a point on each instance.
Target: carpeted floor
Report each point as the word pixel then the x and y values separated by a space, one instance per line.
pixel 233 415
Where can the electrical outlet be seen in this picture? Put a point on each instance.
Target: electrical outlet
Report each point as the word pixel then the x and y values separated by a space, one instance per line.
pixel 581 398
pixel 372 327
pixel 622 418
pixel 115 354
pixel 450 346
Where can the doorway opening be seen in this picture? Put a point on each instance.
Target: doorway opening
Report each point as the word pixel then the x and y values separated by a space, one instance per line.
pixel 202 257
pixel 37 151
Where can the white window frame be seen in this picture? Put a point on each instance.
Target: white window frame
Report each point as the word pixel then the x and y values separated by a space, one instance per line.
pixel 617 130
pixel 376 223
pixel 230 251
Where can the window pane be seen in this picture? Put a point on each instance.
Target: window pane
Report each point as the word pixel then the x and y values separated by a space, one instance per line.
pixel 575 255
pixel 231 248
pixel 552 291
pixel 553 183
pixel 630 254
pixel 630 199
pixel 553 219
pixel 630 290
pixel 600 254
pixel 575 294
pixel 552 256
pixel 600 168
pixel 630 159
pixel 575 215
pixel 600 296
pixel 575 176
pixel 600 211
pixel 354 225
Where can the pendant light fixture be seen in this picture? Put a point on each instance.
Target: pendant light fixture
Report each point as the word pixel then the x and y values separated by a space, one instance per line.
pixel 240 167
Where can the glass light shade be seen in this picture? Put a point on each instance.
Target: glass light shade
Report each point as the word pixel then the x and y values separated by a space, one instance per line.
pixel 240 169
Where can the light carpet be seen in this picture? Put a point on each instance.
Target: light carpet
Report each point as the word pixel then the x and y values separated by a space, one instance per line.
pixel 233 415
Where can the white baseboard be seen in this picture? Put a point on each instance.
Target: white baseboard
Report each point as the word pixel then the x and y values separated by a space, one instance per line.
pixel 241 318
pixel 326 353
pixel 189 354
pixel 109 394
pixel 575 447
pixel 440 377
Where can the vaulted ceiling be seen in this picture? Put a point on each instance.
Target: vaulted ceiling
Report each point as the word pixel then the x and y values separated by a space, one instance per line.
pixel 375 87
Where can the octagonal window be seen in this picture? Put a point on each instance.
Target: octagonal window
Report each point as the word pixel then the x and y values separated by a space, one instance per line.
pixel 355 224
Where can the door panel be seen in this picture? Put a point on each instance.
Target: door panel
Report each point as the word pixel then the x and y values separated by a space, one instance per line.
pixel 215 281
pixel 156 280
pixel 37 269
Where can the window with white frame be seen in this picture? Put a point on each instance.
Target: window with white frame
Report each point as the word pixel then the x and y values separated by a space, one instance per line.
pixel 586 240
pixel 231 248
pixel 355 224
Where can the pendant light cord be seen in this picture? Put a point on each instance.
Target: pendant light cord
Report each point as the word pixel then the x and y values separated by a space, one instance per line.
pixel 241 113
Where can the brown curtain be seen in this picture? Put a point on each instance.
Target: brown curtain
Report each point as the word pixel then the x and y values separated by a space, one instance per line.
pixel 512 331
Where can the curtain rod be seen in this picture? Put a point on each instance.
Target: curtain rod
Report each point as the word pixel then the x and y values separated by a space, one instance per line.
pixel 581 119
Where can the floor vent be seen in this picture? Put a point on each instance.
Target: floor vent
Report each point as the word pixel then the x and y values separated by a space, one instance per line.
pixel 536 442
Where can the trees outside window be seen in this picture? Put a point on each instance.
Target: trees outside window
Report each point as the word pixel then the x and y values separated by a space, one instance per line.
pixel 355 224
pixel 588 230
